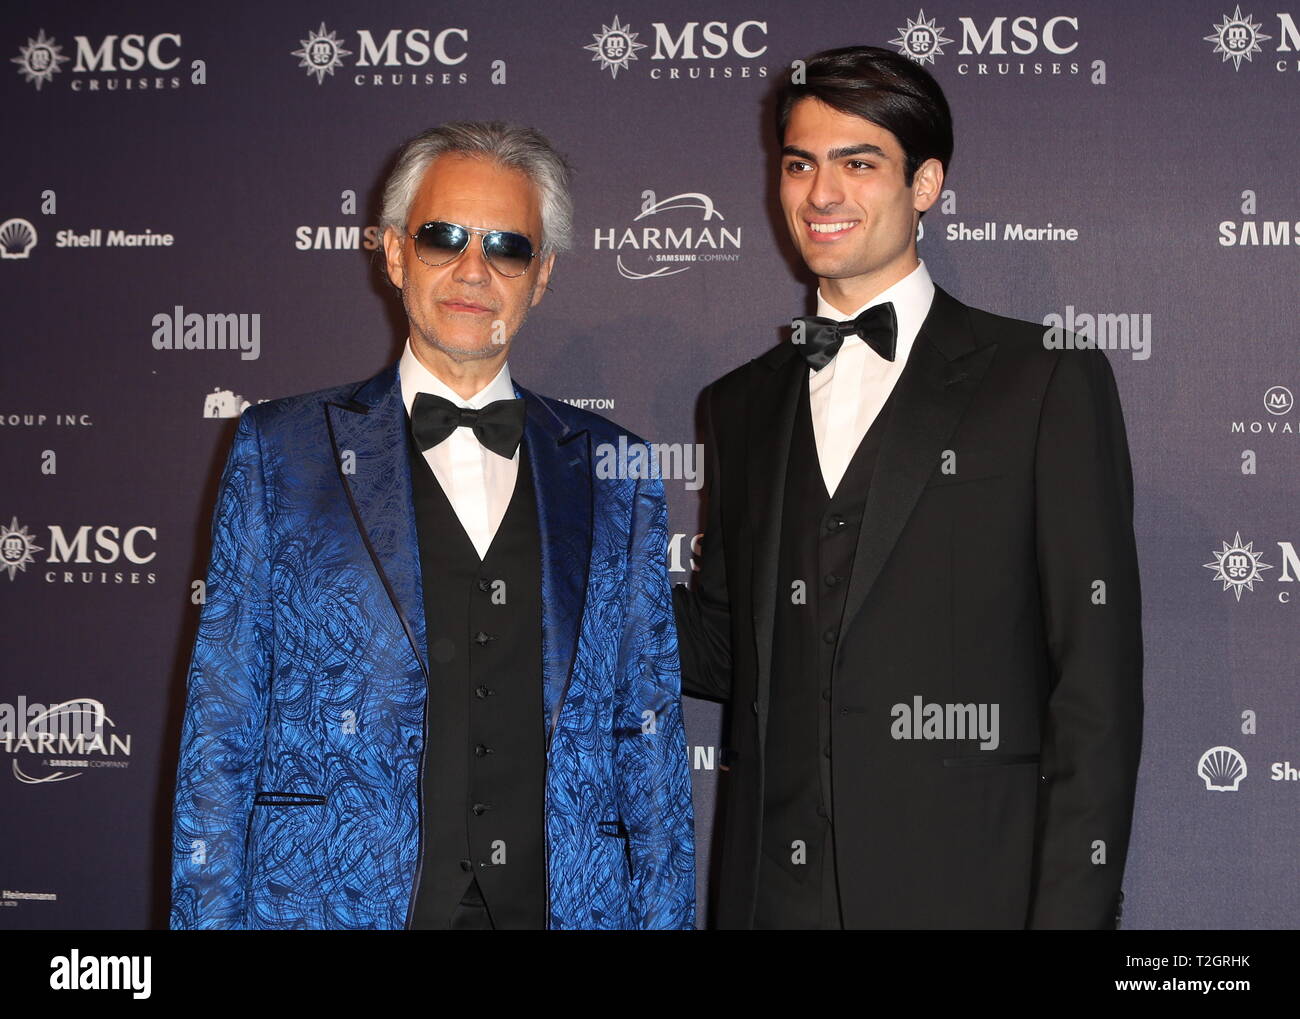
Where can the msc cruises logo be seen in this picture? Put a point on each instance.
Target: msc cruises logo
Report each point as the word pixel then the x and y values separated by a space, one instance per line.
pixel 1237 38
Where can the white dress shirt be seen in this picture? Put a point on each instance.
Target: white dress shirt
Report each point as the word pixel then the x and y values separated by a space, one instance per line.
pixel 848 393
pixel 478 483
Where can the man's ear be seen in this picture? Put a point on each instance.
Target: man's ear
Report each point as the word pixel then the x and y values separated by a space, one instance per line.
pixel 927 184
pixel 393 257
pixel 543 278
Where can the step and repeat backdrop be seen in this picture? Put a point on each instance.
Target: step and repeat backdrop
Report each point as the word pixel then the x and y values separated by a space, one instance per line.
pixel 188 227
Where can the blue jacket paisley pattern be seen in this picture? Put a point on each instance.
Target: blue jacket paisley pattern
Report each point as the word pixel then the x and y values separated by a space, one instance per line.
pixel 298 800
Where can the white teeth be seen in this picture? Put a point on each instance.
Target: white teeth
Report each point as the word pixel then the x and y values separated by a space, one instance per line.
pixel 829 228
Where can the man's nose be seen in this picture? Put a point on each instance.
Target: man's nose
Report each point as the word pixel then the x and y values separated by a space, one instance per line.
pixel 825 192
pixel 471 267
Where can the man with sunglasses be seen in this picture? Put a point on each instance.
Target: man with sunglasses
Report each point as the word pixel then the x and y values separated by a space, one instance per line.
pixel 435 683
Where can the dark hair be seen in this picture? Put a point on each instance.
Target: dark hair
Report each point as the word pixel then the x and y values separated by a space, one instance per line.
pixel 880 86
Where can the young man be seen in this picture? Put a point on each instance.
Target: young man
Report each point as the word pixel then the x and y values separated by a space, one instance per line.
pixel 919 587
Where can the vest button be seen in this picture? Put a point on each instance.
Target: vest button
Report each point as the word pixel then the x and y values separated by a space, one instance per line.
pixel 466 864
pixel 833 523
pixel 481 808
pixel 482 751
pixel 826 751
pixel 755 707
pixel 482 692
pixel 826 694
pixel 482 639
pixel 484 584
pixel 413 742
pixel 829 636
pixel 832 579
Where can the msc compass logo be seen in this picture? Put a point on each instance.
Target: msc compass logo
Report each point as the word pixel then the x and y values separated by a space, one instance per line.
pixel 322 53
pixel 1238 566
pixel 39 60
pixel 921 40
pixel 615 45
pixel 16 547
pixel 1238 38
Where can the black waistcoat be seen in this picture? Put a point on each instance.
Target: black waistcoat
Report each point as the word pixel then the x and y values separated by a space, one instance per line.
pixel 485 753
pixel 819 535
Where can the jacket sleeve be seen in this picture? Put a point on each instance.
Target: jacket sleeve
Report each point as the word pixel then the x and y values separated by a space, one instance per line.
pixel 225 708
pixel 652 771
pixel 703 613
pixel 1091 603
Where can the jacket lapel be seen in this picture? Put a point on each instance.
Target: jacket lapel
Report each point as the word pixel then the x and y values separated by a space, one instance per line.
pixel 368 432
pixel 769 453
pixel 943 370
pixel 560 458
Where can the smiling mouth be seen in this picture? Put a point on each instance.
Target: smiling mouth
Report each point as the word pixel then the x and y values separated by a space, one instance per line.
pixel 831 231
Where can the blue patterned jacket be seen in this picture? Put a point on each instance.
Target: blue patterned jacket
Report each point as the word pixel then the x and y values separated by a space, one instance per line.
pixel 298 794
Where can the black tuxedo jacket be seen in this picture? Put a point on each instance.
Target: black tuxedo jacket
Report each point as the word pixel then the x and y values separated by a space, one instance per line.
pixel 995 565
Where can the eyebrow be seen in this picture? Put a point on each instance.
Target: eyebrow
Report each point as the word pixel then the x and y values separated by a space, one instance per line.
pixel 866 148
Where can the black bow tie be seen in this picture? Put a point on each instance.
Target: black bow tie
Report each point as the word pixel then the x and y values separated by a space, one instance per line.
pixel 823 337
pixel 499 426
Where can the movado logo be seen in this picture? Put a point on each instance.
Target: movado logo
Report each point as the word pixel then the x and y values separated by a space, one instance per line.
pixel 323 52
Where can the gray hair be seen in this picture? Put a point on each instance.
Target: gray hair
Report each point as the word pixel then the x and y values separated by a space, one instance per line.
pixel 512 145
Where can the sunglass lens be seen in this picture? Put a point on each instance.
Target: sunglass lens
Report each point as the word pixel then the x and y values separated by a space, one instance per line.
pixel 438 243
pixel 509 253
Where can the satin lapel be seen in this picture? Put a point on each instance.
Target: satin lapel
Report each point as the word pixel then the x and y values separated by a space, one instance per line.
pixel 771 426
pixel 942 372
pixel 560 458
pixel 370 450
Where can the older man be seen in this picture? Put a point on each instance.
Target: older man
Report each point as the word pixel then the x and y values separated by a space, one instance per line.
pixel 435 683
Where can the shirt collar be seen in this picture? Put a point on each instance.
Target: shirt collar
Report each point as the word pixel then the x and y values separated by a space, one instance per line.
pixel 911 296
pixel 416 378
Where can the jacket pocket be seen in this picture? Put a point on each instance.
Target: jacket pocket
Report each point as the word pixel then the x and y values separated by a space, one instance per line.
pixel 972 759
pixel 274 798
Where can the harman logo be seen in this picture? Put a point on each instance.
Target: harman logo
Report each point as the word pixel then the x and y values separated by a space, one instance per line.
pixel 1222 769
pixel 104 62
pixel 921 40
pixel 1238 566
pixel 1237 38
pixel 615 45
pixel 671 247
pixel 38 61
pixel 65 739
pixel 323 52
pixel 16 547
pixel 17 238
